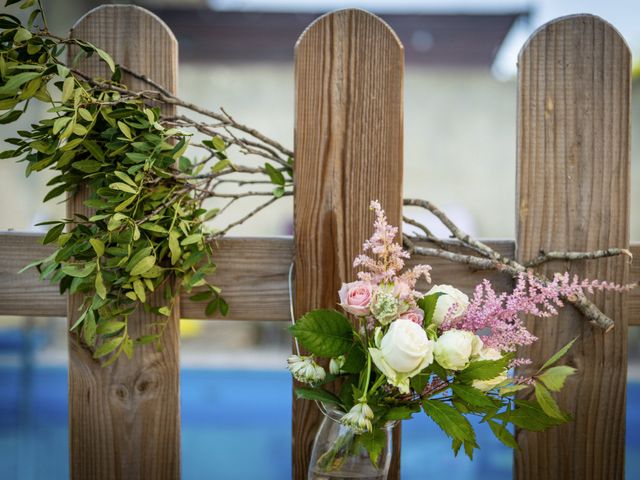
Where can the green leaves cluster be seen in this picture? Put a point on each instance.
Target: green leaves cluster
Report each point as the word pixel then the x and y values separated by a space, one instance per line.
pixel 141 237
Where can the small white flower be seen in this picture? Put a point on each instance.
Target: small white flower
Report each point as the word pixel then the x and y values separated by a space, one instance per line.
pixel 486 385
pixel 358 418
pixel 445 302
pixel 336 364
pixel 455 348
pixel 305 370
pixel 385 306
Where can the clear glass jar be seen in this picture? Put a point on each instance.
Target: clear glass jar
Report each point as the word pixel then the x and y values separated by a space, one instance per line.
pixel 338 454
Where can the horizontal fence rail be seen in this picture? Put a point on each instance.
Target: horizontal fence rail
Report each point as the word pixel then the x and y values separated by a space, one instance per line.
pixel 252 266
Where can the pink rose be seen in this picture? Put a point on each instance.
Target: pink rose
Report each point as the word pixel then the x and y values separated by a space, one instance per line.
pixel 416 315
pixel 355 297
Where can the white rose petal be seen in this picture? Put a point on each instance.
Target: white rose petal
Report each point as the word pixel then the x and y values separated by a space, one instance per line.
pixel 454 349
pixel 445 302
pixel 405 350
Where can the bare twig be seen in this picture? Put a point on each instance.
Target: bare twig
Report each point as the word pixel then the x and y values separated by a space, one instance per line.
pixel 544 257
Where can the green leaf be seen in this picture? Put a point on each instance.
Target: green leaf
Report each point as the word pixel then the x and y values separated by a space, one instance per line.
pixel 67 88
pixel 53 234
pixel 123 187
pixel 512 389
pixel 94 149
pixel 191 239
pixel 428 305
pixel 125 178
pixel 452 422
pixel 153 227
pixel 356 359
pixel 89 328
pixel 319 394
pixel 164 311
pixel 101 290
pixel 124 128
pixel 472 396
pixel 275 175
pixel 503 434
pixel 174 247
pixel 78 271
pixel 374 441
pixel 110 327
pixel 98 246
pixel 484 369
pixel 16 81
pixel 218 143
pixel 87 166
pixel 558 355
pixel 138 287
pixel 107 58
pixel 201 296
pixel 107 347
pixel 547 403
pixel 403 412
pixel 22 35
pixel 143 265
pixel 554 377
pixel 325 333
pixel 529 416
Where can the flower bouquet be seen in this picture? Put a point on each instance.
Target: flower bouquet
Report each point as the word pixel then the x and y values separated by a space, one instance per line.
pixel 398 351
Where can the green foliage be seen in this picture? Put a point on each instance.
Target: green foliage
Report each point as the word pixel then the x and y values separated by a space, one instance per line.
pixel 452 422
pixel 558 355
pixel 318 394
pixel 325 333
pixel 555 377
pixel 145 232
pixel 428 305
pixel 484 369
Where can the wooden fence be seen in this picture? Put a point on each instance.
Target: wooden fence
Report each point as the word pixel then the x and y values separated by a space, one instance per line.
pixel 573 194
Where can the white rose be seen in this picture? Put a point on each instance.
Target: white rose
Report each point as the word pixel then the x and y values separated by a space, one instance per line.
pixel 455 348
pixel 445 302
pixel 486 385
pixel 404 351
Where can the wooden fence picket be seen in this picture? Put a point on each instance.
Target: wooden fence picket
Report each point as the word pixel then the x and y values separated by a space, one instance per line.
pixel 124 420
pixel 573 195
pixel 348 142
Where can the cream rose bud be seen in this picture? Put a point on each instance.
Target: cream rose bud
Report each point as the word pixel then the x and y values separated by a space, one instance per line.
pixel 445 302
pixel 355 297
pixel 486 385
pixel 405 346
pixel 455 348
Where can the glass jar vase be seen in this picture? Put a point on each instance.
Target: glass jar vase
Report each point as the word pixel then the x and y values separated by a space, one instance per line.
pixel 338 453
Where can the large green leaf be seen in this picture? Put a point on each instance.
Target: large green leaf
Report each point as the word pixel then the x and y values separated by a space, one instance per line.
pixel 374 442
pixel 547 403
pixel 473 396
pixel 325 333
pixel 452 422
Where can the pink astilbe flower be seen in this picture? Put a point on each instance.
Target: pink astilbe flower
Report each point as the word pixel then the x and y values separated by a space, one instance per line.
pixel 496 318
pixel 386 258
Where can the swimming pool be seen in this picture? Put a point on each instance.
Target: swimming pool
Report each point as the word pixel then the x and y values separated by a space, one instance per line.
pixel 222 428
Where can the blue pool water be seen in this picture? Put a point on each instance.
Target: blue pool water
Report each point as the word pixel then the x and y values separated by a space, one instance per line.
pixel 229 435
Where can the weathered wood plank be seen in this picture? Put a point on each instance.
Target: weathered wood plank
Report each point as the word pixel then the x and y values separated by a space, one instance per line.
pixel 573 194
pixel 348 143
pixel 124 420
pixel 256 266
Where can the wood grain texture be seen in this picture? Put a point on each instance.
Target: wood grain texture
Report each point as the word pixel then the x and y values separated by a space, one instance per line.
pixel 256 266
pixel 348 142
pixel 573 194
pixel 124 420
